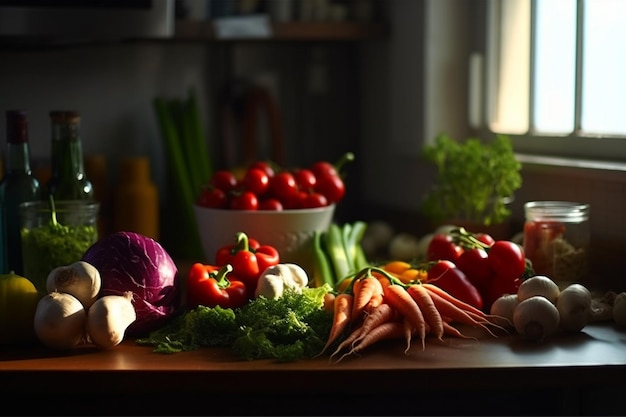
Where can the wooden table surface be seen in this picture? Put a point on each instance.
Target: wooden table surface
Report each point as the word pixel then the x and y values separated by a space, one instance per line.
pixel 565 374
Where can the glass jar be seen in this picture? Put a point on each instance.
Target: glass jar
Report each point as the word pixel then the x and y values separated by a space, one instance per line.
pixel 556 239
pixel 56 235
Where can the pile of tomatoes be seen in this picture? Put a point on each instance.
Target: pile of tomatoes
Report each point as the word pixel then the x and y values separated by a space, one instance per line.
pixel 264 187
pixel 475 267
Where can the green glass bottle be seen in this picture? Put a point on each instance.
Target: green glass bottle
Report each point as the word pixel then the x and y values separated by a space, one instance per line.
pixel 18 186
pixel 68 180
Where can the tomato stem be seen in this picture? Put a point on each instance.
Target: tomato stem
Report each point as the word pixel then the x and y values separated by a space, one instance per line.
pixel 347 157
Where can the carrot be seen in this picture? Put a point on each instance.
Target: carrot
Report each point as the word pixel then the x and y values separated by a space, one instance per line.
pixel 364 289
pixel 408 334
pixel 450 330
pixel 447 308
pixel 348 341
pixel 375 301
pixel 461 304
pixel 472 311
pixel 382 314
pixel 387 330
pixel 400 299
pixel 427 306
pixel 384 280
pixel 341 318
pixel 378 315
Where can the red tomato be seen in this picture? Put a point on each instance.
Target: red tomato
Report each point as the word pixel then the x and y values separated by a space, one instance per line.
pixel 263 166
pixel 270 204
pixel 320 168
pixel 474 263
pixel 305 179
pixel 212 198
pixel 244 201
pixel 497 287
pixel 331 186
pixel 507 259
pixel 313 200
pixel 485 238
pixel 448 277
pixel 283 187
pixel 224 180
pixel 256 181
pixel 442 247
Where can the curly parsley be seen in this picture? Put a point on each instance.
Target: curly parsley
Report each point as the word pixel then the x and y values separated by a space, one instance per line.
pixel 292 327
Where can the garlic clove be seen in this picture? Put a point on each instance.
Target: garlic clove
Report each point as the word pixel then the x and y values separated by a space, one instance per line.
pixel 60 321
pixel 80 279
pixel 574 305
pixel 108 318
pixel 538 285
pixel 536 318
pixel 503 309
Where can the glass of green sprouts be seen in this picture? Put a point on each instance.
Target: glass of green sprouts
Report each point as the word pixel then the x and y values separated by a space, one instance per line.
pixel 55 233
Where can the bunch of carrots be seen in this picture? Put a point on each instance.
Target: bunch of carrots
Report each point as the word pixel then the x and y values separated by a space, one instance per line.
pixel 377 306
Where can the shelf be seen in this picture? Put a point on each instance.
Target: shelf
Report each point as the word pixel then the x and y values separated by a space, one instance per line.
pixel 296 31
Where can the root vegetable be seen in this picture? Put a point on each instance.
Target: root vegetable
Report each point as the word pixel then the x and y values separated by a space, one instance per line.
pixel 574 305
pixel 536 318
pixel 538 285
pixel 108 318
pixel 619 309
pixel 60 321
pixel 503 309
pixel 80 279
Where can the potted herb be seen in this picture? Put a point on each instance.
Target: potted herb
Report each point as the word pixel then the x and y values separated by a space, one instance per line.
pixel 475 180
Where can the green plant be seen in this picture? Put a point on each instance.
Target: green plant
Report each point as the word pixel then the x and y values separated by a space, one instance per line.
pixel 475 179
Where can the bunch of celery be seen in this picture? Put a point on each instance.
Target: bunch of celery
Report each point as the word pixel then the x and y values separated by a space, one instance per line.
pixel 189 166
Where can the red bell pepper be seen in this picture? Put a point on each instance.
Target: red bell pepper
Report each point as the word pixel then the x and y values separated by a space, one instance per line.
pixel 210 286
pixel 248 258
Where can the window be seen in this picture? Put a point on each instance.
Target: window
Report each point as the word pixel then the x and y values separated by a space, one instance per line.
pixel 556 76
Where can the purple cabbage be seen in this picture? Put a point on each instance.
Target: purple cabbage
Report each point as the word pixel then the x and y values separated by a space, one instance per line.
pixel 130 261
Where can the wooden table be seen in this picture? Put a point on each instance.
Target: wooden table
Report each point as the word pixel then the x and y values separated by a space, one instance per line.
pixel 583 373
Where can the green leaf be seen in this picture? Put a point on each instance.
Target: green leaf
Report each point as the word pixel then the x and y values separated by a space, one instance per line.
pixel 475 179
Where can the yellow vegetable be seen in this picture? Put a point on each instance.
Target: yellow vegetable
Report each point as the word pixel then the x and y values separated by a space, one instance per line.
pixel 406 272
pixel 18 302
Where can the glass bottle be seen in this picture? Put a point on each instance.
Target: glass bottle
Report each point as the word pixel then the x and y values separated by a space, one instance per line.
pixel 136 202
pixel 19 185
pixel 68 180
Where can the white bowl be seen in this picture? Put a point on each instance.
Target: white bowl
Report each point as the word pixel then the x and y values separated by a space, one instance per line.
pixel 289 231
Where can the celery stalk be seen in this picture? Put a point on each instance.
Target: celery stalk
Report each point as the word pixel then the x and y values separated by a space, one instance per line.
pixel 180 186
pixel 201 147
pixel 192 152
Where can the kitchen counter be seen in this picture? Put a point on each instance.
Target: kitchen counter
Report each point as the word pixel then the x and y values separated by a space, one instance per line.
pixel 583 373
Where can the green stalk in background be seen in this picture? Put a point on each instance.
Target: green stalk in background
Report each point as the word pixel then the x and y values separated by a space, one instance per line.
pixel 188 146
pixel 198 139
pixel 180 188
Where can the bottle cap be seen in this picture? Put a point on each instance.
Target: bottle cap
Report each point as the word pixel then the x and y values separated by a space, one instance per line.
pixel 17 126
pixel 65 116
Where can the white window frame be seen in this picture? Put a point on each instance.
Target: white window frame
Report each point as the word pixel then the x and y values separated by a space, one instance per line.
pixel 585 149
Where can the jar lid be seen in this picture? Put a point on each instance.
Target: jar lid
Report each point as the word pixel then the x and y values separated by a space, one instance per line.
pixel 566 211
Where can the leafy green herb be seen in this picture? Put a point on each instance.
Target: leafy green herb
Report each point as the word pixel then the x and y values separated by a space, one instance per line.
pixel 475 179
pixel 54 244
pixel 292 327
